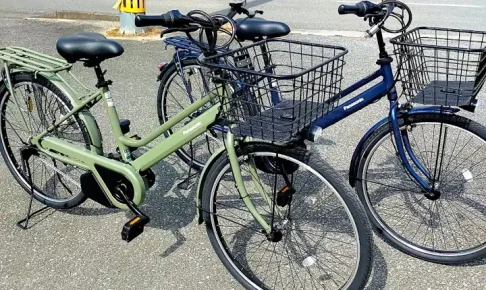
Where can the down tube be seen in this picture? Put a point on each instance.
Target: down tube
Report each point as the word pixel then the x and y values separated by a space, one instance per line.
pixel 175 141
pixel 352 106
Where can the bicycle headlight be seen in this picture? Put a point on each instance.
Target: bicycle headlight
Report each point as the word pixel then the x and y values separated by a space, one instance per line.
pixel 315 133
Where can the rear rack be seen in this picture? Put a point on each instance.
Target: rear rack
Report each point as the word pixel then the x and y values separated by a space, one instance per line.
pixel 183 43
pixel 33 60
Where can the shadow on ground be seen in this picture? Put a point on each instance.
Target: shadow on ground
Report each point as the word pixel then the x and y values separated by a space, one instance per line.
pixel 380 271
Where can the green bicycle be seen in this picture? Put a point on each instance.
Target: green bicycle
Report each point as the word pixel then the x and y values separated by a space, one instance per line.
pixel 294 224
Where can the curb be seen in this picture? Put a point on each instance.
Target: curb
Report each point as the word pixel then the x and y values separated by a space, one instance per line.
pixel 94 17
pixel 73 15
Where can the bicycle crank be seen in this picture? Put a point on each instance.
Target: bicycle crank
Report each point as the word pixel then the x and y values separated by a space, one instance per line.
pixel 134 227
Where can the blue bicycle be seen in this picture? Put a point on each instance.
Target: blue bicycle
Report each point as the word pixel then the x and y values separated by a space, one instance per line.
pixel 182 80
pixel 419 171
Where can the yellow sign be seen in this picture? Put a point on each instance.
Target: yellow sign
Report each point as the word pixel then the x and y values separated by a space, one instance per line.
pixel 130 6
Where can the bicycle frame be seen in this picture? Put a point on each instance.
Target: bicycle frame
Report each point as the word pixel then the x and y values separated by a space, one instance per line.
pixel 92 160
pixel 77 156
pixel 371 95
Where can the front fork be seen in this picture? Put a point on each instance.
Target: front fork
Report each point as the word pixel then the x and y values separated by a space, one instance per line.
pixel 240 186
pixel 403 148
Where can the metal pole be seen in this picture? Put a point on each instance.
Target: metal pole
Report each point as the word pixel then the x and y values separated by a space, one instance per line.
pixel 128 10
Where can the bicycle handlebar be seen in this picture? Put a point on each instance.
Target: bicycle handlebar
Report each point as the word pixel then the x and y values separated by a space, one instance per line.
pixel 237 8
pixel 195 20
pixel 360 9
pixel 170 19
pixel 377 14
pixel 174 19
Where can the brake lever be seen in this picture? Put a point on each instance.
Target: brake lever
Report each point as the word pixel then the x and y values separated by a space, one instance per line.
pixel 188 29
pixel 252 14
pixel 370 16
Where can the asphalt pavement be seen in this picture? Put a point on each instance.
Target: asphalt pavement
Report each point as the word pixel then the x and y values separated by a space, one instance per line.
pixel 82 248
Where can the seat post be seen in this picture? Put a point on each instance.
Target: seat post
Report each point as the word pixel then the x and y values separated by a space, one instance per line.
pixel 100 75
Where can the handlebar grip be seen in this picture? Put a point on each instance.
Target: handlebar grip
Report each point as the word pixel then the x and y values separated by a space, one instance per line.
pixel 360 9
pixel 349 9
pixel 150 20
pixel 167 19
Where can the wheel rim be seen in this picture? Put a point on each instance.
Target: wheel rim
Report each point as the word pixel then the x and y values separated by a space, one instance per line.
pixel 305 260
pixel 180 98
pixel 54 181
pixel 442 226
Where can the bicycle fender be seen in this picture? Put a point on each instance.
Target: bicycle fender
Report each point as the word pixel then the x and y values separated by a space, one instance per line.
pixel 165 67
pixel 200 184
pixel 353 166
pixel 75 99
pixel 85 115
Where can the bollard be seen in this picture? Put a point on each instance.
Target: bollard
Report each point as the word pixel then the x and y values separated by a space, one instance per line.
pixel 128 10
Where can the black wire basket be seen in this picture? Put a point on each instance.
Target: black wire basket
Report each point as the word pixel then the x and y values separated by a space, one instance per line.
pixel 442 66
pixel 273 89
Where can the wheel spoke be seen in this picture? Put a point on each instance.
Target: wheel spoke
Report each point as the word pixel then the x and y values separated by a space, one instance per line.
pixel 455 222
pixel 53 183
pixel 317 248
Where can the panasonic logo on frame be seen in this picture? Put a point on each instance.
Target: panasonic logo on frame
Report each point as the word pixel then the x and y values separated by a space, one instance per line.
pixel 185 132
pixel 353 104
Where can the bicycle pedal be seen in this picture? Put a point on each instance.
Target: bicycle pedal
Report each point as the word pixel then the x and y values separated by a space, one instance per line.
pixel 133 228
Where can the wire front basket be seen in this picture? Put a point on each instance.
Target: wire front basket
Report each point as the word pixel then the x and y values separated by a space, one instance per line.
pixel 275 88
pixel 442 66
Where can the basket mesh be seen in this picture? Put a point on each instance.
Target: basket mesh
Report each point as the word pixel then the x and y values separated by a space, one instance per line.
pixel 442 66
pixel 273 89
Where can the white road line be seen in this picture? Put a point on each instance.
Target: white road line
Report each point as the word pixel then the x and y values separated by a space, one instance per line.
pixel 427 4
pixel 351 34
pixel 361 34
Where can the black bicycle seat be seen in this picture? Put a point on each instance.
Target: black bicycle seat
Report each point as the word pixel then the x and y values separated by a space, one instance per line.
pixel 90 47
pixel 257 28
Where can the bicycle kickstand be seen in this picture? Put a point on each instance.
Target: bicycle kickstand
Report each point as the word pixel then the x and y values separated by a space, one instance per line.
pixel 26 152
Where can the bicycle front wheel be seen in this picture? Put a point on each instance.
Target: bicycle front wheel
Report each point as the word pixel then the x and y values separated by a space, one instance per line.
pixel 448 228
pixel 321 238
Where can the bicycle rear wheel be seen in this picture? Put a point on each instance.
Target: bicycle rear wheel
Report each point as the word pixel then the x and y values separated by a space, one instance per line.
pixel 450 229
pixel 41 103
pixel 322 238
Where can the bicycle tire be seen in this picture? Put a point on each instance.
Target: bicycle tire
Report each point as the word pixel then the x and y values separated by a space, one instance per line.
pixel 415 203
pixel 13 164
pixel 327 174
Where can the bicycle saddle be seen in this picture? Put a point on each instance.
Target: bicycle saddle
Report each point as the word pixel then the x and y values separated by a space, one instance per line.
pixel 255 28
pixel 90 47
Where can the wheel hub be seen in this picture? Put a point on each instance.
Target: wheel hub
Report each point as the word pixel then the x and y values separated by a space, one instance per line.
pixel 275 236
pixel 433 195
